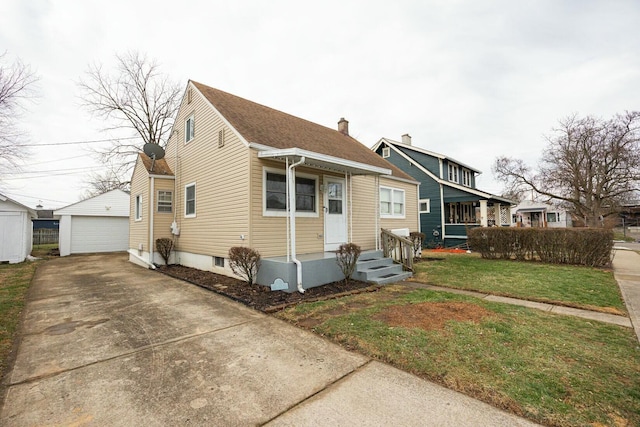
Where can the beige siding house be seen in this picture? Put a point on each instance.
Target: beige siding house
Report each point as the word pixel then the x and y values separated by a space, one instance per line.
pixel 237 173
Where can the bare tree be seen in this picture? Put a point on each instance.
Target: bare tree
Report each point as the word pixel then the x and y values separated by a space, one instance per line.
pixel 101 182
pixel 16 86
pixel 134 97
pixel 592 165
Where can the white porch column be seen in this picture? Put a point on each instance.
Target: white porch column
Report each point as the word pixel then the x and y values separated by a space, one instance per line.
pixel 496 207
pixel 483 213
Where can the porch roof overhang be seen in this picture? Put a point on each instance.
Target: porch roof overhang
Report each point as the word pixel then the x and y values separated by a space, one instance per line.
pixel 319 160
pixel 524 210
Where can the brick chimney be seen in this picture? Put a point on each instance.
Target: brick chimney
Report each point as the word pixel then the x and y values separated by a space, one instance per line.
pixel 406 139
pixel 343 126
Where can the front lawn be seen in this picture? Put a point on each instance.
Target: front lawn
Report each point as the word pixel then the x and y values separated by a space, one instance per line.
pixel 553 369
pixel 575 286
pixel 14 284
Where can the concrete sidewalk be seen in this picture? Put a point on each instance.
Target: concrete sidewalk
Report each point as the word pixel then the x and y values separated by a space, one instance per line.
pixel 106 343
pixel 557 309
pixel 626 269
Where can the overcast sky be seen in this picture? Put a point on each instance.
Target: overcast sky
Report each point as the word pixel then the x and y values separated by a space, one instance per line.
pixel 470 79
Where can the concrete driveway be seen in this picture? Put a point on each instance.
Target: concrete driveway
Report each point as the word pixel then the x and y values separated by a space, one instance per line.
pixel 108 343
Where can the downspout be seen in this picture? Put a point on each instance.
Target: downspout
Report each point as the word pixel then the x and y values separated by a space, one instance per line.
pixel 442 218
pixel 288 224
pixel 153 182
pixel 377 210
pixel 292 220
pixel 151 266
pixel 348 181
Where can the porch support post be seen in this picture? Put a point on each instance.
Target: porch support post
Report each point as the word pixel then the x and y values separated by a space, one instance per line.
pixel 483 213
pixel 291 183
pixel 496 207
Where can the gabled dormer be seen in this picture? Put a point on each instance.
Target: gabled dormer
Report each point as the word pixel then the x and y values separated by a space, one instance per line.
pixel 439 166
pixel 459 174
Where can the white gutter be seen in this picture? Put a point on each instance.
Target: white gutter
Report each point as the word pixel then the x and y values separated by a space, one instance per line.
pixel 353 166
pixel 292 220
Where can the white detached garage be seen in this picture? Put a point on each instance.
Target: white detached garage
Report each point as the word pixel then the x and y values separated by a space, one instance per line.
pixel 98 224
pixel 16 230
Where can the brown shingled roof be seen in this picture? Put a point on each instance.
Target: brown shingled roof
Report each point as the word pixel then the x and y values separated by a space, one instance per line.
pixel 267 126
pixel 160 167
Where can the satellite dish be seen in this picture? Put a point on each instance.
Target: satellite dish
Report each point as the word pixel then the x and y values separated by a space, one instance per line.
pixel 153 150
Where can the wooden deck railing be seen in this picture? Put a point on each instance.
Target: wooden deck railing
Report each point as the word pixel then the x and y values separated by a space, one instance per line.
pixel 399 248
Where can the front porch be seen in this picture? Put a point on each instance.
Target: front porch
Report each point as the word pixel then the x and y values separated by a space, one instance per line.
pixel 321 268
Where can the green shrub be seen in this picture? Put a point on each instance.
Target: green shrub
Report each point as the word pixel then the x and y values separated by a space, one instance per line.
pixel 591 247
pixel 245 262
pixel 347 256
pixel 164 247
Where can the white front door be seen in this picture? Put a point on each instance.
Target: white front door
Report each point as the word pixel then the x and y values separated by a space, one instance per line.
pixel 335 213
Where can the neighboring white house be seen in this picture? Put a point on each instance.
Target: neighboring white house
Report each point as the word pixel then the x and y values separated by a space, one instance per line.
pixel 98 224
pixel 16 230
pixel 536 214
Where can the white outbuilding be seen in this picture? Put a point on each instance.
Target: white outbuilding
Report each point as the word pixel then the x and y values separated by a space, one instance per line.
pixel 16 230
pixel 98 224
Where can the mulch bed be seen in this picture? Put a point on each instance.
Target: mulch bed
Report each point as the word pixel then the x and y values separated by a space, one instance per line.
pixel 262 297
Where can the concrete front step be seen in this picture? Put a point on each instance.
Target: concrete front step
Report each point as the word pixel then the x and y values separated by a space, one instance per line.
pixel 373 267
pixel 393 278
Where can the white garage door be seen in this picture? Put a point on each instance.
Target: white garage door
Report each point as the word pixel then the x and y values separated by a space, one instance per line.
pixel 99 234
pixel 11 229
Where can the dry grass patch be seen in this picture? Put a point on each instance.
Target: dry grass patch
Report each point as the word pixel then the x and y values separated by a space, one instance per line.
pixel 432 316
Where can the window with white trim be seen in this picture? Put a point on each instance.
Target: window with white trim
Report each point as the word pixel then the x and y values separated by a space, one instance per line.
pixel 386 152
pixel 425 206
pixel 218 261
pixel 190 200
pixel 553 217
pixel 189 129
pixel 165 201
pixel 275 193
pixel 138 207
pixel 391 202
pixel 466 177
pixel 453 173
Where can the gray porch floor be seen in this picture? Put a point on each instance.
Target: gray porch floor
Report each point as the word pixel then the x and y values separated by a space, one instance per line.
pixel 320 268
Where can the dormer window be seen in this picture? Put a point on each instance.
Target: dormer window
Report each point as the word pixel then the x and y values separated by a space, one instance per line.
pixel 386 152
pixel 453 173
pixel 466 177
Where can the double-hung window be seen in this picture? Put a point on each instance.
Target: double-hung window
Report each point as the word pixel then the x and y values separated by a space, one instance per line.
pixel 391 202
pixel 275 194
pixel 189 129
pixel 138 207
pixel 190 200
pixel 453 173
pixel 466 177
pixel 165 201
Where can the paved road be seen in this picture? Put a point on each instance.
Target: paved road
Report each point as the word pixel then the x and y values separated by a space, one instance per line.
pixel 107 343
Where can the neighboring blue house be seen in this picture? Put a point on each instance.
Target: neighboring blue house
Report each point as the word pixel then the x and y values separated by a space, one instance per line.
pixel 450 203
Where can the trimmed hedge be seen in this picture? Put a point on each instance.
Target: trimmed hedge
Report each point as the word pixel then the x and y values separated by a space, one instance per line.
pixel 580 246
